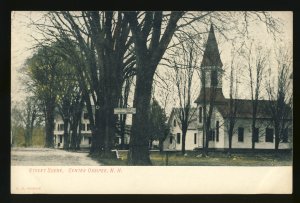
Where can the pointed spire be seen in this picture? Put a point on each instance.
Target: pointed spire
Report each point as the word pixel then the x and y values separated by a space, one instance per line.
pixel 211 55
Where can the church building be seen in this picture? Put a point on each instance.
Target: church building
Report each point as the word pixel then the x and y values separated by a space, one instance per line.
pixel 212 94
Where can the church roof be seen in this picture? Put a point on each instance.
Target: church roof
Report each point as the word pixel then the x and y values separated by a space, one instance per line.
pixel 244 108
pixel 211 56
pixel 218 95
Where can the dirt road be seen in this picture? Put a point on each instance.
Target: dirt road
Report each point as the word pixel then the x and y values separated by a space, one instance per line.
pixel 50 157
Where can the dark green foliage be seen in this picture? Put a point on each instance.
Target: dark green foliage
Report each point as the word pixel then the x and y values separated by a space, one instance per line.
pixel 159 129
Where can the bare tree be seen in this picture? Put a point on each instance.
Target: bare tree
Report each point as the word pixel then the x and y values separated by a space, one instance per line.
pixel 233 103
pixel 123 103
pixel 256 58
pixel 184 68
pixel 31 114
pixel 280 97
pixel 16 121
pixel 209 99
pixel 98 45
pixel 26 114
pixel 148 55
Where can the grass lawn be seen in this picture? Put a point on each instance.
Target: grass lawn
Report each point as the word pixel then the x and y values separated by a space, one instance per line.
pixel 194 158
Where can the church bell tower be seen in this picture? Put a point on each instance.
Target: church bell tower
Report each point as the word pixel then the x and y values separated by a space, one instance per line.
pixel 212 71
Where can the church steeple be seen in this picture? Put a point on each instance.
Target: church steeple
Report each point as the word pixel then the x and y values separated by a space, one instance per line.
pixel 212 71
pixel 211 56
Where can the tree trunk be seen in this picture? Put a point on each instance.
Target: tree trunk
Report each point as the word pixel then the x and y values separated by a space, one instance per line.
pixel 230 134
pixel 78 138
pixel 138 153
pixel 207 138
pixel 183 141
pixel 76 129
pixel 98 131
pixel 254 114
pixel 146 64
pixel 49 122
pixel 30 135
pixel 161 145
pixel 277 138
pixel 253 141
pixel 112 89
pixel 66 134
pixel 73 136
pixel 110 122
pixel 150 143
pixel 27 135
pixel 208 129
pixel 230 141
pixel 95 146
pixel 122 130
pixel 204 140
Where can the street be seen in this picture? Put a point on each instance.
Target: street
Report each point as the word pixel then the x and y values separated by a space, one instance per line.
pixel 50 157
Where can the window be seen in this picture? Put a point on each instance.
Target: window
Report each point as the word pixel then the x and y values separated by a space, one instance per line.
pixel 88 127
pixel 174 123
pixel 171 139
pixel 269 134
pixel 214 78
pixel 60 127
pixel 210 135
pixel 213 135
pixel 240 134
pixel 285 135
pixel 256 134
pixel 200 114
pixel 60 138
pixel 217 131
pixel 82 127
pixel 90 140
pixel 178 138
pixel 195 138
pixel 85 115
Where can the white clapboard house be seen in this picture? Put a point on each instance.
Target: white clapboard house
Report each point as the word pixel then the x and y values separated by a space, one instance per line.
pixel 86 133
pixel 218 136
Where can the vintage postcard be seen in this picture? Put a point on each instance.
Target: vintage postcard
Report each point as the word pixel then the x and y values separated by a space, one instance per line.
pixel 151 102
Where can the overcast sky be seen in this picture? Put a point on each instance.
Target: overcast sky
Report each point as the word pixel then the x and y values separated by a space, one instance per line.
pixel 21 42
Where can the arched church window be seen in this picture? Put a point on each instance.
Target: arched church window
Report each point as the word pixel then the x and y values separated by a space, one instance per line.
pixel 214 78
pixel 200 114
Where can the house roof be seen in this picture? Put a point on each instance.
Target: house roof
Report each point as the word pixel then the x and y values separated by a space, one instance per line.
pixel 211 55
pixel 217 96
pixel 193 123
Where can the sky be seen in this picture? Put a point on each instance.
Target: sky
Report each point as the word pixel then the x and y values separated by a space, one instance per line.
pixel 22 42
